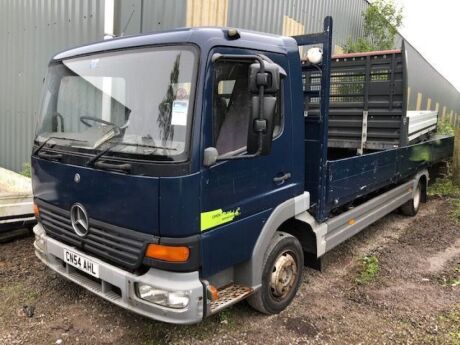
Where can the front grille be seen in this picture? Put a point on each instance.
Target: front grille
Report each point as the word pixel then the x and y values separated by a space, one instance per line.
pixel 122 247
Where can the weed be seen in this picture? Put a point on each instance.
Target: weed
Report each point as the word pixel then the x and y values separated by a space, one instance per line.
pixel 456 212
pixel 370 269
pixel 445 127
pixel 451 279
pixel 226 317
pixel 451 323
pixel 444 188
pixel 26 170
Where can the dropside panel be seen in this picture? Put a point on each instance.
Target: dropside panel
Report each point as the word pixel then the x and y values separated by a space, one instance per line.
pixel 354 177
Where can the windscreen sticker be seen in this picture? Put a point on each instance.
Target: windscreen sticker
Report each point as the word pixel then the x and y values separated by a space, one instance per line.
pixel 179 113
pixel 214 218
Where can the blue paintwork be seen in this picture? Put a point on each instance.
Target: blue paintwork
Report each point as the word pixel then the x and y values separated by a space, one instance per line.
pixel 353 177
pixel 123 200
pixel 246 184
pixel 206 38
pixel 231 243
pixel 179 212
pixel 316 129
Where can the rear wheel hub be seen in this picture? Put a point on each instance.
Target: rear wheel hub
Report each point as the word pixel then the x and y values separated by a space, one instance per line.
pixel 283 275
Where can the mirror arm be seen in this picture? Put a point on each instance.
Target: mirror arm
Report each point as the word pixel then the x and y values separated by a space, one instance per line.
pixel 261 105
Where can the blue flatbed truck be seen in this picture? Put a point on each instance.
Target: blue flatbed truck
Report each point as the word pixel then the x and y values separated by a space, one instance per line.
pixel 177 173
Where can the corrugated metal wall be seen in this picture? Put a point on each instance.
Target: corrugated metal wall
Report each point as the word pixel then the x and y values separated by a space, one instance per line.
pixel 30 33
pixel 259 15
pixel 267 15
pixel 34 30
pixel 429 90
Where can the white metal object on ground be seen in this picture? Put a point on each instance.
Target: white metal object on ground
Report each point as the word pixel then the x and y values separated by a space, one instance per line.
pixel 15 198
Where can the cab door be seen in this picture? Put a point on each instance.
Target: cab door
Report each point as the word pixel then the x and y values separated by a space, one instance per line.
pixel 239 195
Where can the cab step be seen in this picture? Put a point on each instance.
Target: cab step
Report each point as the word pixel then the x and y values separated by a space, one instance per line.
pixel 229 295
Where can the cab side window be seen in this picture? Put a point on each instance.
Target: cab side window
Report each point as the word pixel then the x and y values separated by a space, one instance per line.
pixel 232 107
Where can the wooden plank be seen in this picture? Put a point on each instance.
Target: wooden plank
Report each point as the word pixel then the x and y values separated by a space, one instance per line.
pixel 207 13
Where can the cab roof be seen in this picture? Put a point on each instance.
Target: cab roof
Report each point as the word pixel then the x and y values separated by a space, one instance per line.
pixel 204 37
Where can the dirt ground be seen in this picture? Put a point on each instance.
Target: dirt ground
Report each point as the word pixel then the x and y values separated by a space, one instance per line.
pixel 414 299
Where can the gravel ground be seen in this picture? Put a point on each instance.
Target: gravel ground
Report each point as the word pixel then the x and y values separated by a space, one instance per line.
pixel 412 300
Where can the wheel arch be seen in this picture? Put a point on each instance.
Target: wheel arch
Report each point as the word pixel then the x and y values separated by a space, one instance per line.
pixel 249 273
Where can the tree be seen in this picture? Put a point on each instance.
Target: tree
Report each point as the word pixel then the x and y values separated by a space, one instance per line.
pixel 381 22
pixel 166 105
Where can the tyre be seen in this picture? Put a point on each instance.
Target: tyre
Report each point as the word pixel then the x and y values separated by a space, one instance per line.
pixel 281 275
pixel 410 208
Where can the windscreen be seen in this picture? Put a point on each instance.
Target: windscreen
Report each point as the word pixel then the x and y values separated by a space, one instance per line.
pixel 134 102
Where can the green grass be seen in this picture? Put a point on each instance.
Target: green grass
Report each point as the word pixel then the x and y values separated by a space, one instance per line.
pixel 445 127
pixel 451 278
pixel 16 295
pixel 447 329
pixel 450 323
pixel 447 189
pixel 444 188
pixel 227 317
pixel 26 170
pixel 161 334
pixel 370 269
pixel 456 212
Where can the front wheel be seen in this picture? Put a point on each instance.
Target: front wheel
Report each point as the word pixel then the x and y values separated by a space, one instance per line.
pixel 281 275
pixel 410 208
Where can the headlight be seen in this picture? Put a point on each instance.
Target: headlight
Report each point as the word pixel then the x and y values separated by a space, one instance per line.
pixel 40 238
pixel 176 299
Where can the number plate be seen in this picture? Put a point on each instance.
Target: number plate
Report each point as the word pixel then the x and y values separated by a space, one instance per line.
pixel 82 263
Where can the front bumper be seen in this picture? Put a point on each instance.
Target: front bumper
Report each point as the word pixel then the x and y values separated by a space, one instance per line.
pixel 118 286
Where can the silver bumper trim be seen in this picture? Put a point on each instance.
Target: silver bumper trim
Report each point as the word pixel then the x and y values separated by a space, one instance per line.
pixel 117 285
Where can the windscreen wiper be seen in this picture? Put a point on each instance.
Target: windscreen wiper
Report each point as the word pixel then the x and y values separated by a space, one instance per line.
pixel 100 154
pixel 93 160
pixel 55 137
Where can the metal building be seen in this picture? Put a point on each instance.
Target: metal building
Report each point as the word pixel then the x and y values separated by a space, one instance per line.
pixel 34 30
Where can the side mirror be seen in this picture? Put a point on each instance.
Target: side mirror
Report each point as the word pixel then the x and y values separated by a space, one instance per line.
pixel 210 156
pixel 270 79
pixel 261 121
pixel 261 126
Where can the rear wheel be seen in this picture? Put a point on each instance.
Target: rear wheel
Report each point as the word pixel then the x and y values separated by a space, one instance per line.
pixel 410 208
pixel 281 275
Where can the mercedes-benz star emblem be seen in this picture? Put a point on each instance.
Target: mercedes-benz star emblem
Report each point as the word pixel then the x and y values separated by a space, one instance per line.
pixel 79 219
pixel 76 178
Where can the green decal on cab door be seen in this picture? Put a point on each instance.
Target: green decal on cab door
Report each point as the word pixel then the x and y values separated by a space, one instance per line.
pixel 214 218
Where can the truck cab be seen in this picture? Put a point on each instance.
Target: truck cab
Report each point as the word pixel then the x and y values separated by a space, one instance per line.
pixel 151 184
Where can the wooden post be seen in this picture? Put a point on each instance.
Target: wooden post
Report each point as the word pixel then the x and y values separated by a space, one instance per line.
pixel 457 157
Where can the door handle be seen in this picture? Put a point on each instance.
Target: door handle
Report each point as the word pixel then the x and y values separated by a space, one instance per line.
pixel 281 179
